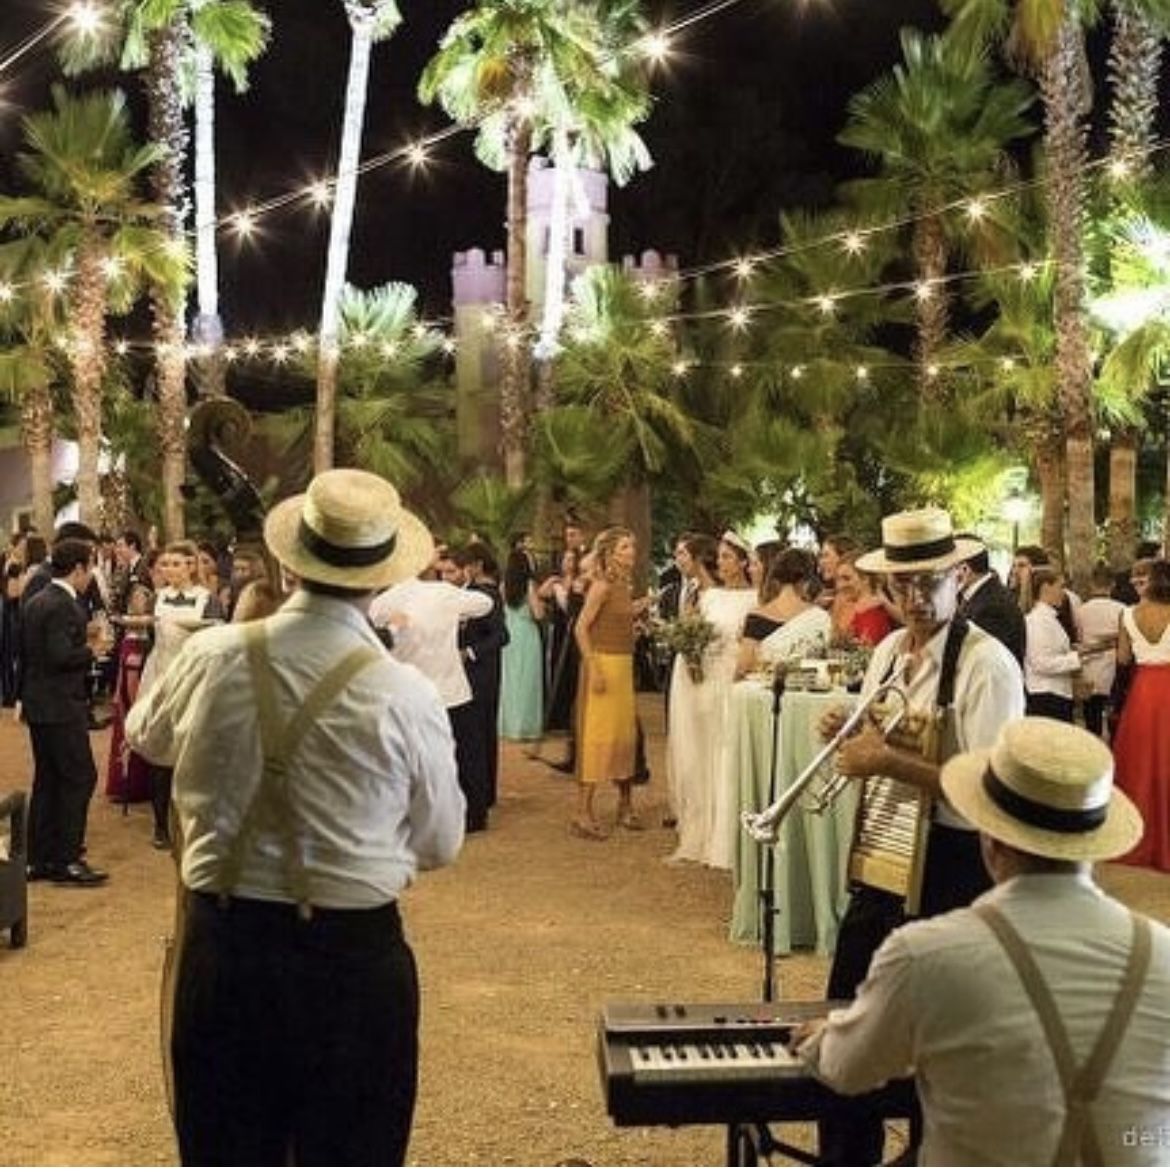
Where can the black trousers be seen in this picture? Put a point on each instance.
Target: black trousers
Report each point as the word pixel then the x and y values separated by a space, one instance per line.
pixel 471 760
pixel 954 875
pixel 64 778
pixel 294 1041
pixel 1049 704
pixel 1094 709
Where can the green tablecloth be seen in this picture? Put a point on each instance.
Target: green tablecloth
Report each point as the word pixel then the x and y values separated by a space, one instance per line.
pixel 812 848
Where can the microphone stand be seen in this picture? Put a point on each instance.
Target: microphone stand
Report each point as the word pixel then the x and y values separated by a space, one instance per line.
pixel 767 872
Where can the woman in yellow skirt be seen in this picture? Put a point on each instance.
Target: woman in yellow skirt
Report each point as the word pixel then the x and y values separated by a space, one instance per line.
pixel 606 716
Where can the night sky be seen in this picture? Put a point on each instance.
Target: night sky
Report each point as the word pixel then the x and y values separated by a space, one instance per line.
pixel 744 125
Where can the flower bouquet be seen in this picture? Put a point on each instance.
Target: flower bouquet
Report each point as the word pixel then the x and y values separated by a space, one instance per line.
pixel 688 636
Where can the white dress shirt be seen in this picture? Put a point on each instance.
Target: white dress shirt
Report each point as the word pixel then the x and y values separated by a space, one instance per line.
pixel 943 999
pixel 1099 619
pixel 430 638
pixel 1049 661
pixel 373 784
pixel 989 691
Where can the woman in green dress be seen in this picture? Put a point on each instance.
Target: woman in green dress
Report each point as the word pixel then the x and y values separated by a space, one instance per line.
pixel 522 682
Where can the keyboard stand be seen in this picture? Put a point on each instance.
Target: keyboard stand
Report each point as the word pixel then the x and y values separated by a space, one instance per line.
pixel 747 1142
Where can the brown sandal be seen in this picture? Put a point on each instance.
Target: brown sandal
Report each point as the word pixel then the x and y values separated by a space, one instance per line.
pixel 588 830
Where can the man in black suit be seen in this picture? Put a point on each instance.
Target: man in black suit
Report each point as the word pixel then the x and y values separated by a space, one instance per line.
pixel 57 650
pixel 985 601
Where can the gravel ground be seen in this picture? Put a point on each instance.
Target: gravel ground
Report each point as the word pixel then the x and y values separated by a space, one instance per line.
pixel 519 946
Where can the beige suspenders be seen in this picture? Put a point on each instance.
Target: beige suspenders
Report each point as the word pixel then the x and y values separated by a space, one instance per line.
pixel 279 742
pixel 1078 1138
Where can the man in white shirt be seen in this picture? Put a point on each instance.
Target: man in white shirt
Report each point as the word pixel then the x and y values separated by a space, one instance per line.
pixel 966 685
pixel 998 1007
pixel 424 616
pixel 313 777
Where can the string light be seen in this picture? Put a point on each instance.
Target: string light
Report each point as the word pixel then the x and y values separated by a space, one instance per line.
pixel 923 290
pixel 853 243
pixel 736 370
pixel 112 268
pixel 659 328
pixel 320 193
pixel 976 210
pixel 7 293
pixel 656 47
pixel 932 370
pixel 862 374
pixel 739 318
pixel 744 267
pixel 244 223
pixel 1118 169
pixel 797 372
pixel 1007 364
pixel 416 155
pixel 826 303
pixel 1027 271
pixel 54 281
pixel 679 369
pixel 280 354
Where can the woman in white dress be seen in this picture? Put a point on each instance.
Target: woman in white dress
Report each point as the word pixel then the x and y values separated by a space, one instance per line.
pixel 699 728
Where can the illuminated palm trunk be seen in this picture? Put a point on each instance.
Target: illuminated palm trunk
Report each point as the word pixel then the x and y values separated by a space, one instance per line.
pixel 1065 103
pixel 87 362
pixel 514 384
pixel 36 433
pixel 167 128
pixel 207 330
pixel 361 23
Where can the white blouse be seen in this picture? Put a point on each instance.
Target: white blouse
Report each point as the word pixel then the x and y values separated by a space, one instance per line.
pixel 1049 661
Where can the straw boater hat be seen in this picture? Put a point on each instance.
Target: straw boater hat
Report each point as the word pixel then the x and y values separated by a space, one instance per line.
pixel 923 539
pixel 349 529
pixel 1046 787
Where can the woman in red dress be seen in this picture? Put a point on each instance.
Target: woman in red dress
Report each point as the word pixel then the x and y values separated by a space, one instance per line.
pixel 859 612
pixel 127 774
pixel 1141 749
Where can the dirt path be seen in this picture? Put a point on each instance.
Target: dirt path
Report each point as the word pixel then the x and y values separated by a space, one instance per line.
pixel 519 945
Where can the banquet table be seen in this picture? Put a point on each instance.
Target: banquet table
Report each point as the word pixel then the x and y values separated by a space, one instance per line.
pixel 812 849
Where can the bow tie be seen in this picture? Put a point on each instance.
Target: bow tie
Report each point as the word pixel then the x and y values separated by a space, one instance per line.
pixel 181 600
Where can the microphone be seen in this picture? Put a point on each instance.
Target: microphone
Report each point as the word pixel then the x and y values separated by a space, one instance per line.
pixel 779 681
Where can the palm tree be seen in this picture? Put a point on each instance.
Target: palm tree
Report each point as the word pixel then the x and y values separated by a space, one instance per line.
pixel 84 166
pixel 27 368
pixel 618 367
pixel 937 126
pixel 229 35
pixel 497 67
pixel 594 128
pixel 800 424
pixel 1012 377
pixel 394 417
pixel 1047 37
pixel 1135 58
pixel 154 35
pixel 369 21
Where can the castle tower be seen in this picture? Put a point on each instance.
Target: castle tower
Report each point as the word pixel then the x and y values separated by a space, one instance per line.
pixel 477 291
pixel 588 235
pixel 650 267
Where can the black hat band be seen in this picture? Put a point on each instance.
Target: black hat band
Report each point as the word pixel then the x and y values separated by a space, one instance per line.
pixel 921 552
pixel 344 556
pixel 1038 815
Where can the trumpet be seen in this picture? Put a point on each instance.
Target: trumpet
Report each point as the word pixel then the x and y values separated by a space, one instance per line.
pixel 764 826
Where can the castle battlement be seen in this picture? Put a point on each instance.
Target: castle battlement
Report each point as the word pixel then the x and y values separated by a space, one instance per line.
pixel 541 176
pixel 651 265
pixel 476 279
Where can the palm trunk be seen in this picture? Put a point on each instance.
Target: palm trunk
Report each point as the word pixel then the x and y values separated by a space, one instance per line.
pixel 1135 60
pixel 36 433
pixel 1061 85
pixel 930 262
pixel 87 360
pixel 514 383
pixel 558 240
pixel 1123 454
pixel 630 506
pixel 166 127
pixel 361 24
pixel 1048 456
pixel 207 329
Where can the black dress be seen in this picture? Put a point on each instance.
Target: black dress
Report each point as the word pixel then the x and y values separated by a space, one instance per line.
pixel 759 627
pixel 10 636
pixel 481 640
pixel 564 659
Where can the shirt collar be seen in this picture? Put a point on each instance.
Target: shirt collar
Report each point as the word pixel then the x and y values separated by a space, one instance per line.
pixel 1045 884
pixel 67 587
pixel 334 609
